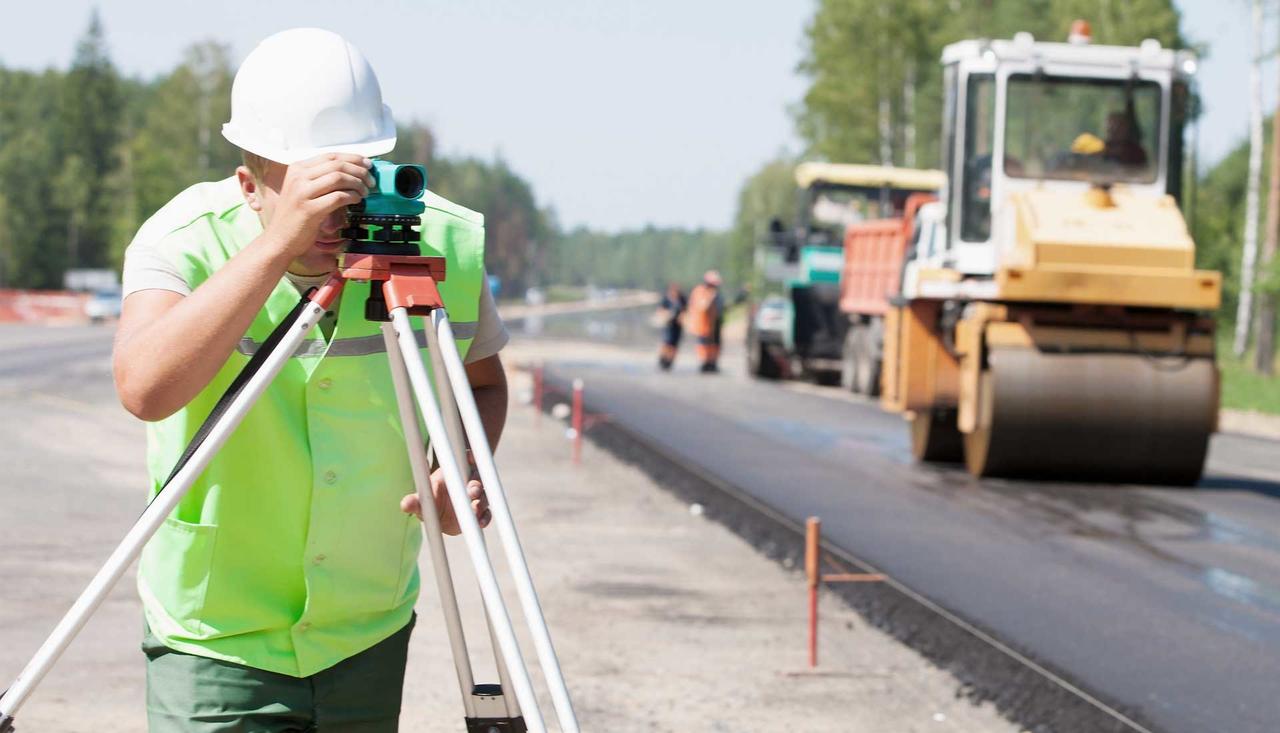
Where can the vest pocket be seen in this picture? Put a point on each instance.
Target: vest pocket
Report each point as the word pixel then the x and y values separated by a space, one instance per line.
pixel 175 566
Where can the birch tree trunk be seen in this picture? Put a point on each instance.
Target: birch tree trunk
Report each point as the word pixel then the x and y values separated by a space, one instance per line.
pixel 1244 309
pixel 909 115
pixel 886 129
pixel 1265 333
pixel 886 87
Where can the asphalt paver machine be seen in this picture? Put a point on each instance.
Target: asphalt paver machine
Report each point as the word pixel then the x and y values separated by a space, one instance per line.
pixel 798 328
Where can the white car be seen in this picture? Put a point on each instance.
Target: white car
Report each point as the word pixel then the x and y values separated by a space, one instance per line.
pixel 103 305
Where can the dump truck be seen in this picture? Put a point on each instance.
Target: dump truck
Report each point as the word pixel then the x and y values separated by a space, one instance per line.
pixel 796 328
pixel 874 252
pixel 1049 319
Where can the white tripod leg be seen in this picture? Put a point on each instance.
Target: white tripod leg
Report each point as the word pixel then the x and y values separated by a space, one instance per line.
pixel 456 484
pixel 458 439
pixel 154 515
pixel 430 521
pixel 483 455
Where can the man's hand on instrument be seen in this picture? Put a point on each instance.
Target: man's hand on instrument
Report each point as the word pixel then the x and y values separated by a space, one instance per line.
pixel 314 195
pixel 444 508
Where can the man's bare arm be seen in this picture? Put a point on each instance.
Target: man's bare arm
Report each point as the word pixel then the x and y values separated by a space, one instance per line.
pixel 169 347
pixel 489 385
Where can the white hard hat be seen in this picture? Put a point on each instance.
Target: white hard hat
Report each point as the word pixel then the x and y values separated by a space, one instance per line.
pixel 307 91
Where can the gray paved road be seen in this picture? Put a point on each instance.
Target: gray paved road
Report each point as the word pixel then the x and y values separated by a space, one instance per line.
pixel 1165 601
pixel 73 482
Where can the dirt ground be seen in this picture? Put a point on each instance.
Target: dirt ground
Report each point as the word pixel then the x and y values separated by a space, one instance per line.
pixel 663 621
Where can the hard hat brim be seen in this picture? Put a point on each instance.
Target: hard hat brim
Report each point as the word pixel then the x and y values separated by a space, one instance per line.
pixel 384 144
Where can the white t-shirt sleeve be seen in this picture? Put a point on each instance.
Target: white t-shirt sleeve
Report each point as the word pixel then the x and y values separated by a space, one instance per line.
pixel 147 267
pixel 156 259
pixel 491 333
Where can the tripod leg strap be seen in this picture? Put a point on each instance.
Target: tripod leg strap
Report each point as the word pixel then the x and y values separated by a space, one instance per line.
pixel 492 725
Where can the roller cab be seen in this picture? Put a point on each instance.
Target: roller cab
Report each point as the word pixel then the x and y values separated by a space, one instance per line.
pixel 1060 328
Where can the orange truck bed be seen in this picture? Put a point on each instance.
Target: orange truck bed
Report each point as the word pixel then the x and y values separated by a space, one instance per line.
pixel 873 254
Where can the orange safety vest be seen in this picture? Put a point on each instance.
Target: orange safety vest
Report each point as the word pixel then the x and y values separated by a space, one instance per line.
pixel 701 315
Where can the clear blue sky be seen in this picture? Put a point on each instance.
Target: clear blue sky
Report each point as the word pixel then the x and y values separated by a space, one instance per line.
pixel 621 113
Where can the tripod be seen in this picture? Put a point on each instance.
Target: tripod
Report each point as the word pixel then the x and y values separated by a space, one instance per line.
pixel 401 283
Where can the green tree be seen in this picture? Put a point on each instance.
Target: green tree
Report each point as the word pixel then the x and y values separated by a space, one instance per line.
pixel 770 193
pixel 647 258
pixel 33 230
pixel 516 230
pixel 875 84
pixel 178 140
pixel 1219 223
pixel 86 135
pixel 415 143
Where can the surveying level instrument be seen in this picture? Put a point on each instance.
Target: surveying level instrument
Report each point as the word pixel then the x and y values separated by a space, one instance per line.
pixel 385 254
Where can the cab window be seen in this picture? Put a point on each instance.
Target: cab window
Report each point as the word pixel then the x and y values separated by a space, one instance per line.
pixel 980 108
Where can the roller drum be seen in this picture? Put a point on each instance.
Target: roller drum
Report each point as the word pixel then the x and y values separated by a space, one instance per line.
pixel 1121 417
pixel 935 437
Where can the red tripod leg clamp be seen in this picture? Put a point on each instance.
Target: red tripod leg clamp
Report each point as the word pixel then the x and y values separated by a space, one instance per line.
pixel 412 287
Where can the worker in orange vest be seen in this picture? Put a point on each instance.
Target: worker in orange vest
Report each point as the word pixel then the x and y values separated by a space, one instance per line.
pixel 702 319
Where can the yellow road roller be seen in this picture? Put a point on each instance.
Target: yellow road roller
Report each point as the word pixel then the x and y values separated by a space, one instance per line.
pixel 1050 320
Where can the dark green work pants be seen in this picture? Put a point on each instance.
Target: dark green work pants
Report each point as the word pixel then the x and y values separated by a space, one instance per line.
pixel 191 694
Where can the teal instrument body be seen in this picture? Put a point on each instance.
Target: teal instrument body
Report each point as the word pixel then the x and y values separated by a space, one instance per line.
pixel 397 189
pixel 386 221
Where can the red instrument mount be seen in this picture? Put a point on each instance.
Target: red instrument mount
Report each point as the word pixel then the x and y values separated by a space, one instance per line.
pixel 408 281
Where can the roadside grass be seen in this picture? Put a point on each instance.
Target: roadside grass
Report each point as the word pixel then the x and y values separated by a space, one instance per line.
pixel 565 293
pixel 1245 389
pixel 735 312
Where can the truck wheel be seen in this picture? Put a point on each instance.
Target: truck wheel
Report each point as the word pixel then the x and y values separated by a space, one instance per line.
pixel 935 437
pixel 760 363
pixel 849 378
pixel 868 366
pixel 827 378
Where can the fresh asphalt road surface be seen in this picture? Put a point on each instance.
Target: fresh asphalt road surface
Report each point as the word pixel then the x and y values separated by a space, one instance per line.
pixel 1163 601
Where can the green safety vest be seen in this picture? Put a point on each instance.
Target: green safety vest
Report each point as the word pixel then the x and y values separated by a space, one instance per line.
pixel 290 552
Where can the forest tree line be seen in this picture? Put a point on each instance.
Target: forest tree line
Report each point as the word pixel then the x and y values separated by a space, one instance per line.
pixel 87 154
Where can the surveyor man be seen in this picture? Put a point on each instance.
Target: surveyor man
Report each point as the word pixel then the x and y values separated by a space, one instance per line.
pixel 705 312
pixel 279 595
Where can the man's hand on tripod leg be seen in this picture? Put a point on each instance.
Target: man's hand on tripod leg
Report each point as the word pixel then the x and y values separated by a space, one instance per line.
pixel 489 387
pixel 444 508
